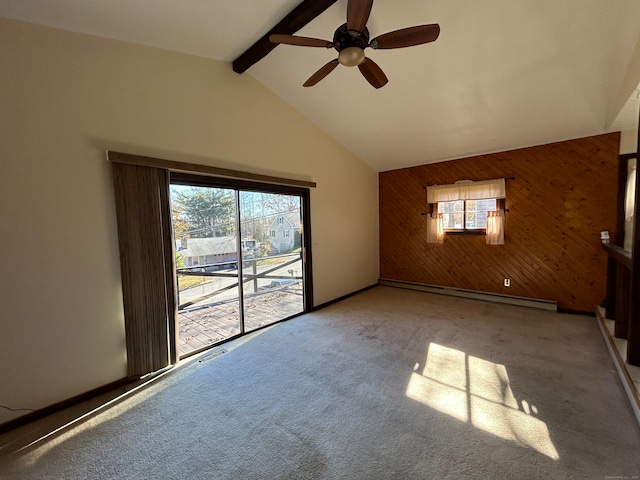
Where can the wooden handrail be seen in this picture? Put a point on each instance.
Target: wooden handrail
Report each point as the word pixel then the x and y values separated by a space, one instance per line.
pixel 619 254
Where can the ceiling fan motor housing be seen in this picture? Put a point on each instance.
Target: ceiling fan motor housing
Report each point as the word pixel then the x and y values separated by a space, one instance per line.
pixel 345 38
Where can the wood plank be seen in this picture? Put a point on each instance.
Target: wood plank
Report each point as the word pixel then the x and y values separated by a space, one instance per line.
pixel 294 21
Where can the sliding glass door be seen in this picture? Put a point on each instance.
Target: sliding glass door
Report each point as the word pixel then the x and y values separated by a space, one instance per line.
pixel 240 258
pixel 272 273
pixel 204 229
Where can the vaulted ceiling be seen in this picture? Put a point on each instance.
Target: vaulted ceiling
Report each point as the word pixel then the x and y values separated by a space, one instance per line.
pixel 502 75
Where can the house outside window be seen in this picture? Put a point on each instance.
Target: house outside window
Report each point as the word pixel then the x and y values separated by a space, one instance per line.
pixel 283 229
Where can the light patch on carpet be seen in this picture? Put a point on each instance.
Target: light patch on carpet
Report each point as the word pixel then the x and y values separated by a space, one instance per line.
pixel 478 392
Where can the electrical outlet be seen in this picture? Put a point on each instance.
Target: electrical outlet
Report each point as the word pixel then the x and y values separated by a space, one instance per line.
pixel 507 282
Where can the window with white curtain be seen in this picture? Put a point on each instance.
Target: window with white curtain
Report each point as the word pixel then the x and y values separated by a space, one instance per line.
pixel 471 207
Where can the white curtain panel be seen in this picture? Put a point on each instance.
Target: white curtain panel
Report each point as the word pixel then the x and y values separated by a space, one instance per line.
pixel 495 227
pixel 435 231
pixel 467 190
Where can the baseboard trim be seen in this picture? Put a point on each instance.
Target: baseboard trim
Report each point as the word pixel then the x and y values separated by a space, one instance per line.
pixel 344 297
pixel 474 294
pixel 621 368
pixel 56 407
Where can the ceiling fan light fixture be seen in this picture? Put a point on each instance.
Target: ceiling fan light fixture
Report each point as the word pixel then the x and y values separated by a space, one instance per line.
pixel 351 56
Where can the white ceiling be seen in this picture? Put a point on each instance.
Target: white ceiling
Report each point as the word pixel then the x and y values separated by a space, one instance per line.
pixel 502 75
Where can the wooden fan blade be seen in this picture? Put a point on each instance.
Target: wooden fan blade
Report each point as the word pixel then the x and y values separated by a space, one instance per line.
pixel 358 12
pixel 407 37
pixel 301 41
pixel 373 73
pixel 320 74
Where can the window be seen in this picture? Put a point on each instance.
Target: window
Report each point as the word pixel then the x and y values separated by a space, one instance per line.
pixel 286 233
pixel 279 220
pixel 464 215
pixel 273 233
pixel 467 207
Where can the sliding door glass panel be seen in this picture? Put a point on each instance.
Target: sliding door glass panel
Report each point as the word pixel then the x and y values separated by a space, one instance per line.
pixel 272 267
pixel 206 243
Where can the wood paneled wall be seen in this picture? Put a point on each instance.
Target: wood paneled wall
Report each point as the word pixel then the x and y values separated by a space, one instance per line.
pixel 563 194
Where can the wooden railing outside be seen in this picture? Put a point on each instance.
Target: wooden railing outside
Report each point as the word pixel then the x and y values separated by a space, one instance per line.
pixel 210 270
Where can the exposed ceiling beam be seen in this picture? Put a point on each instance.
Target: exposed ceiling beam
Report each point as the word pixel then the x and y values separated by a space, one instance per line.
pixel 294 21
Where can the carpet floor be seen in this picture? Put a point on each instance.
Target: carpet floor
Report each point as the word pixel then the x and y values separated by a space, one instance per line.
pixel 388 384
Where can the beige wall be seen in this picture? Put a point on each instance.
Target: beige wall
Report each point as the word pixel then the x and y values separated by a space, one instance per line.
pixel 628 141
pixel 64 99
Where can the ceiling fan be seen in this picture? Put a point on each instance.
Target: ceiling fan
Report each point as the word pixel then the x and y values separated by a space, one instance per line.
pixel 351 38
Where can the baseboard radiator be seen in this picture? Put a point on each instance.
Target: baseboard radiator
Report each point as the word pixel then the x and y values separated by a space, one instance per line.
pixel 473 294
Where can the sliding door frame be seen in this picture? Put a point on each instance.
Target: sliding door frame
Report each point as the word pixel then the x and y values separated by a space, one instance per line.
pixel 188 179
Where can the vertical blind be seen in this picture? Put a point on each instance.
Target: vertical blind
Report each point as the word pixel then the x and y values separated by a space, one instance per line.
pixel 146 250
